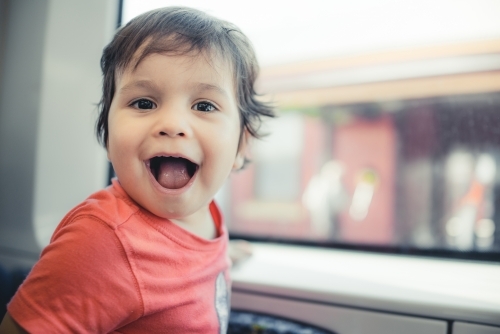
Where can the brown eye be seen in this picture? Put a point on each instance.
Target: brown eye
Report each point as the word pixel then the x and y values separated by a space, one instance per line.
pixel 204 106
pixel 144 104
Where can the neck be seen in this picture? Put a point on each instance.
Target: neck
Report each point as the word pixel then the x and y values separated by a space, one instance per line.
pixel 199 223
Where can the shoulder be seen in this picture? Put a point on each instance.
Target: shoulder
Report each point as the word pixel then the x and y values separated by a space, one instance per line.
pixel 111 207
pixel 82 275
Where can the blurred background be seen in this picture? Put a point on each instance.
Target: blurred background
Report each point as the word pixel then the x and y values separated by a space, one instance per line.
pixel 388 132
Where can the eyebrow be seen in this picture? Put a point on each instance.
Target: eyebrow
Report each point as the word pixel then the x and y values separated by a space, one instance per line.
pixel 209 87
pixel 147 84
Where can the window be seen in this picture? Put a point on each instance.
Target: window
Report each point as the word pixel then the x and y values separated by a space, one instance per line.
pixel 388 130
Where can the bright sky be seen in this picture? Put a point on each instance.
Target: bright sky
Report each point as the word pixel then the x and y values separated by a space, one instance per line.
pixel 286 31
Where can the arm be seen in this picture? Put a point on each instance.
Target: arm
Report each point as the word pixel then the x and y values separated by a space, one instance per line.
pixel 9 326
pixel 82 283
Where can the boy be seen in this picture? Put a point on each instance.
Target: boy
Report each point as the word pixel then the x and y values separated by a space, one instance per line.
pixel 148 253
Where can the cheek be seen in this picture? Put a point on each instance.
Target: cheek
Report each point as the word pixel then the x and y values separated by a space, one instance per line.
pixel 228 140
pixel 122 134
pixel 221 147
pixel 114 154
pixel 120 146
pixel 111 147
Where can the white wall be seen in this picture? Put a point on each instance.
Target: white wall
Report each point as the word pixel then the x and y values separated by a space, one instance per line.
pixel 50 84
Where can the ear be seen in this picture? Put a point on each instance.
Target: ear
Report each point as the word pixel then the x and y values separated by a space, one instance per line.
pixel 243 147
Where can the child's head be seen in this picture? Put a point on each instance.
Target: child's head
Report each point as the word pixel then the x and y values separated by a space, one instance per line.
pixel 183 31
pixel 177 109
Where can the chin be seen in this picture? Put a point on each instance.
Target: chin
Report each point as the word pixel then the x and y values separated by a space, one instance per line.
pixel 170 212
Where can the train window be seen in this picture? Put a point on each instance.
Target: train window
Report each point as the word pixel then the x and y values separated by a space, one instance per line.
pixel 388 130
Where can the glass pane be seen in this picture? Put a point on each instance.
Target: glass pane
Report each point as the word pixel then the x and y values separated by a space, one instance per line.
pixel 389 123
pixel 420 172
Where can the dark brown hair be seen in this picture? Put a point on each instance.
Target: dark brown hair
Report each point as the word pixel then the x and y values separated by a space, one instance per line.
pixel 178 31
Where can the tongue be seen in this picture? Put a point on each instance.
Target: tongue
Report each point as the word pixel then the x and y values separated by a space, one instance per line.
pixel 173 173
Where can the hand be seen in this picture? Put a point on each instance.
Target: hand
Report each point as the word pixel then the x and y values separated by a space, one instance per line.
pixel 9 326
pixel 239 250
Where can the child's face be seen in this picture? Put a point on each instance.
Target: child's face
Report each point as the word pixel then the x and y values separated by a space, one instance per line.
pixel 180 107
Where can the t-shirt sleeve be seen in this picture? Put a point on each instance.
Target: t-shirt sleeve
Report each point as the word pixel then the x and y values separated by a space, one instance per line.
pixel 83 283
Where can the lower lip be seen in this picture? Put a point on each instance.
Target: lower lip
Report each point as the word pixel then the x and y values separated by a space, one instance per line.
pixel 167 191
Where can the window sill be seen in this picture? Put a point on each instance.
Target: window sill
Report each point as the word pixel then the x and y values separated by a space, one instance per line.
pixel 432 288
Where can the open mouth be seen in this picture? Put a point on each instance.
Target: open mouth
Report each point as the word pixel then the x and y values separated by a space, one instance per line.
pixel 172 173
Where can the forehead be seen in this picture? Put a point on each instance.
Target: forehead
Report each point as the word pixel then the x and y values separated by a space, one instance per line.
pixel 212 62
pixel 176 46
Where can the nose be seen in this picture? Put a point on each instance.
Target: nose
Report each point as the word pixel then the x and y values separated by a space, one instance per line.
pixel 173 122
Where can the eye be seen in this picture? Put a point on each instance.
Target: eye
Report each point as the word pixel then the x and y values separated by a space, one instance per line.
pixel 204 106
pixel 144 104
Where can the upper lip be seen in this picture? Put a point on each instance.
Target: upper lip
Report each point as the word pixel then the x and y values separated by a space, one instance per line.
pixel 173 155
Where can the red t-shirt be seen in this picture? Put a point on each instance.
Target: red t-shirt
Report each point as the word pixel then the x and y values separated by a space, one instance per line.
pixel 112 266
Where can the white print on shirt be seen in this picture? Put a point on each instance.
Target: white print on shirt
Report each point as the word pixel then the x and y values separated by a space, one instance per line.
pixel 222 302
